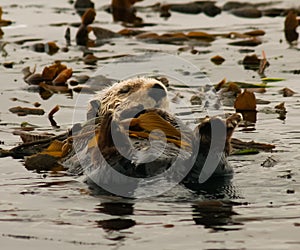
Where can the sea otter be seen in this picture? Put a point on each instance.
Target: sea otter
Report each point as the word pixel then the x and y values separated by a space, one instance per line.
pixel 135 135
pixel 130 134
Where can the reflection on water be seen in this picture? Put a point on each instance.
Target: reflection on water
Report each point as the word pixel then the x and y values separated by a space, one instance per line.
pixel 215 214
pixel 113 226
pixel 115 208
pixel 216 188
pixel 249 115
pixel 116 224
pixel 213 209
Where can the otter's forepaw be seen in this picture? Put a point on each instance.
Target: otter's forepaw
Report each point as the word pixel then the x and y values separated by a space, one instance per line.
pixel 232 122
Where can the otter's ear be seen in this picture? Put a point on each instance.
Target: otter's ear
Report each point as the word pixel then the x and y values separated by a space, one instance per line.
pixel 232 122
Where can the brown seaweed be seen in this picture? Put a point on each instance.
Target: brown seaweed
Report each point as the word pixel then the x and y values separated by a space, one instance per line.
pixel 22 111
pixel 245 101
pixel 290 25
pixel 123 10
pixel 239 144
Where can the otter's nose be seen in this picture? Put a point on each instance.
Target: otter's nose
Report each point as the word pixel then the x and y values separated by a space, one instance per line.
pixel 157 92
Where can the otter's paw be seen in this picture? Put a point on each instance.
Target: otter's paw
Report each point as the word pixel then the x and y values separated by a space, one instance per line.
pixel 232 122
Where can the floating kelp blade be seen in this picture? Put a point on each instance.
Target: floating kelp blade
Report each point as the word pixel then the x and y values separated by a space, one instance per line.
pixel 247 85
pixel 245 101
pixel 54 149
pixel 286 92
pixel 242 145
pixel 22 111
pixel 145 123
pixel 290 27
pixel 272 79
pixel 51 118
pixel 248 151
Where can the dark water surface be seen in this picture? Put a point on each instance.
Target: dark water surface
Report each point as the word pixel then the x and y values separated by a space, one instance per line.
pixel 259 209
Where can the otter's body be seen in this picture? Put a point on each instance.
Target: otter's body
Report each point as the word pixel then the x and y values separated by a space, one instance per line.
pixel 135 136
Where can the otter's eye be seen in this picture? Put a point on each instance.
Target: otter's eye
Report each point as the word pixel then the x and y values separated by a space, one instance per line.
pixel 125 89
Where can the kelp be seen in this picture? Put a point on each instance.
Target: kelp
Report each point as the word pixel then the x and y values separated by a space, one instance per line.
pixel 247 12
pixel 251 62
pixel 252 42
pixel 50 48
pixel 82 35
pixel 247 151
pixel 286 92
pixel 290 25
pixel 245 101
pixel 241 85
pixel 4 22
pixel 242 145
pixel 150 121
pixel 123 10
pixel 218 60
pixel 62 77
pixel 32 137
pixel 272 79
pixel 22 111
pixel 250 85
pixel 51 118
pixel 55 74
pixel 53 79
pixel 251 37
pixel 32 147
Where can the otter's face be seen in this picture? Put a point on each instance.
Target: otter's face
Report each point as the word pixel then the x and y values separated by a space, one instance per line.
pixel 145 92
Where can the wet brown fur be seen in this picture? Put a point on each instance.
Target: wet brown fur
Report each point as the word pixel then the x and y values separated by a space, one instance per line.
pixel 223 130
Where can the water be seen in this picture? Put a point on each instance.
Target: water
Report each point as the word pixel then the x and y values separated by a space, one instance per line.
pixel 259 209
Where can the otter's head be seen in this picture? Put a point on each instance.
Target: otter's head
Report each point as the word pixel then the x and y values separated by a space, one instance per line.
pixel 143 92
